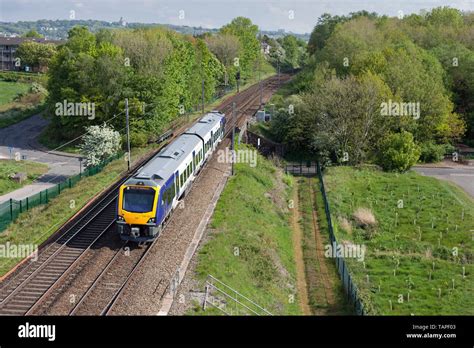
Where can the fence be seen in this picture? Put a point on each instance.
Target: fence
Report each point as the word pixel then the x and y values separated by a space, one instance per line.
pixel 349 287
pixel 228 300
pixel 11 209
pixel 299 168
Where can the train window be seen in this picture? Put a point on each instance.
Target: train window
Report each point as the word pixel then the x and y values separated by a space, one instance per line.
pixel 138 200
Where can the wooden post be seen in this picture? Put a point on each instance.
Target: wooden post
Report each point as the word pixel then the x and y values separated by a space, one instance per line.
pixel 205 297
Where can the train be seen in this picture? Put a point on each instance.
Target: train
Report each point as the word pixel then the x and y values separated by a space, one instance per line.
pixel 149 196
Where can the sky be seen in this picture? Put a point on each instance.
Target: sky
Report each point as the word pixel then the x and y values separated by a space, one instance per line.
pixel 298 16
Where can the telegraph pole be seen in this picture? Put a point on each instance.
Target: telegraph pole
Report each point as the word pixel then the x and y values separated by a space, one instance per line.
pixel 128 133
pixel 233 137
pixel 238 80
pixel 278 63
pixel 202 96
pixel 260 85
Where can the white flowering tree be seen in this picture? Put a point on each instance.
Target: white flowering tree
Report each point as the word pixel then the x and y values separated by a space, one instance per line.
pixel 99 143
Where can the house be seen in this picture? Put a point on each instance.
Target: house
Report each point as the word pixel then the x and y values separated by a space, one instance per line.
pixel 8 47
pixel 265 48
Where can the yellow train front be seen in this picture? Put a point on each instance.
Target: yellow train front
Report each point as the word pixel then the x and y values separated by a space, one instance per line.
pixel 138 211
pixel 147 199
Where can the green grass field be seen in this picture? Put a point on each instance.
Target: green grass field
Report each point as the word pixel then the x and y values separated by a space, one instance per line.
pixel 250 244
pixel 419 261
pixel 15 110
pixel 11 89
pixel 8 167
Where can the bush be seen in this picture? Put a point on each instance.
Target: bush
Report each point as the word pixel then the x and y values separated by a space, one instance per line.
pixel 364 218
pixel 138 139
pixel 398 152
pixel 99 143
pixel 431 152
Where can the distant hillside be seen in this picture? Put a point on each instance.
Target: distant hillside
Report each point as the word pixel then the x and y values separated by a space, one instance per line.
pixel 58 29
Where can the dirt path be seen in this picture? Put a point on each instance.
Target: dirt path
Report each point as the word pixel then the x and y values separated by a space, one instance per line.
pixel 326 282
pixel 299 259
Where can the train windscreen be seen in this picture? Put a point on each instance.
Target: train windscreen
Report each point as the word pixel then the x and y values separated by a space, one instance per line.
pixel 138 200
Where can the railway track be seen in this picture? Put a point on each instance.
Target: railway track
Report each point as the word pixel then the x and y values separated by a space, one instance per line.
pixel 31 286
pixel 105 289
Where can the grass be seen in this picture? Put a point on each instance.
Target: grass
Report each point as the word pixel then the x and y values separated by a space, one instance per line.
pixel 14 110
pixel 37 224
pixel 250 247
pixel 422 240
pixel 11 89
pixel 9 167
pixel 321 301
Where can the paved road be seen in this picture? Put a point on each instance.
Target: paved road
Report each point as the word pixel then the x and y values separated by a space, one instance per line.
pixel 460 175
pixel 22 138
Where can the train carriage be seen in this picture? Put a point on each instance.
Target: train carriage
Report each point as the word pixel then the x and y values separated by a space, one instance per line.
pixel 147 199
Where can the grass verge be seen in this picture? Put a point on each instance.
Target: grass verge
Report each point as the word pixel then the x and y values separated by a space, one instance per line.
pixel 325 291
pixel 11 89
pixel 250 239
pixel 418 257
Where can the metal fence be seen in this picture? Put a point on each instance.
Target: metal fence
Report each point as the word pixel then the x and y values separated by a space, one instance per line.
pixel 308 168
pixel 228 300
pixel 11 209
pixel 349 286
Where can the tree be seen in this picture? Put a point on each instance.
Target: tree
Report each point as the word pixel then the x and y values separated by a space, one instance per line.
pixel 398 152
pixel 347 119
pixel 99 143
pixel 33 33
pixel 246 32
pixel 34 54
pixel 226 47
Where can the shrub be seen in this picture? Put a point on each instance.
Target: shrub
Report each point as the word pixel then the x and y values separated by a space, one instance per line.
pixel 398 152
pixel 364 218
pixel 138 139
pixel 431 152
pixel 345 224
pixel 99 143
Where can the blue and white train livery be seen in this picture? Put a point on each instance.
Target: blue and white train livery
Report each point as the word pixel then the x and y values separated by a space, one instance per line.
pixel 147 199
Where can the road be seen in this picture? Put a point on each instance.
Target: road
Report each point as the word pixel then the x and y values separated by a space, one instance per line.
pixel 22 138
pixel 463 176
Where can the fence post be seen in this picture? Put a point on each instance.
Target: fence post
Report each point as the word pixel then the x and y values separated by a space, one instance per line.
pixel 46 195
pixel 40 197
pixel 27 208
pixel 11 209
pixel 21 207
pixel 59 188
pixel 69 181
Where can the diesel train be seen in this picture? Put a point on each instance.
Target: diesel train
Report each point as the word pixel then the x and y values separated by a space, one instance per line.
pixel 147 199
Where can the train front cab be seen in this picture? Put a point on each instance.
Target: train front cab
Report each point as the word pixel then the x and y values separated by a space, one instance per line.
pixel 136 213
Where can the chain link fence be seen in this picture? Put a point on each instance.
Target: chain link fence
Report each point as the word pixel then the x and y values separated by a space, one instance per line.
pixel 350 287
pixel 11 209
